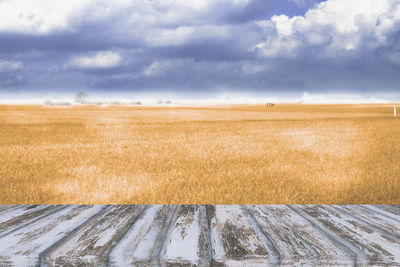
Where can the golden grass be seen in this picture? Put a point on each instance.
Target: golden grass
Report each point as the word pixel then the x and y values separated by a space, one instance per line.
pixel 289 154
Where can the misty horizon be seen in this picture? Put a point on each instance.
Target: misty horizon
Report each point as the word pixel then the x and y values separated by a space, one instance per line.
pixel 305 98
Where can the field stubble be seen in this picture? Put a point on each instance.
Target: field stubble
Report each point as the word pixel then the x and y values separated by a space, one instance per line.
pixel 288 154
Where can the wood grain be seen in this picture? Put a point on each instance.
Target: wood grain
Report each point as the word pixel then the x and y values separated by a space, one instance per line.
pixel 196 235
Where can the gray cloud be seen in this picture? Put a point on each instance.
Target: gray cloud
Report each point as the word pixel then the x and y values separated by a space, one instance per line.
pixel 259 47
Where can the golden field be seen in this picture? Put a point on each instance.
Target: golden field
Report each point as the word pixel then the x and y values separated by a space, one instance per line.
pixel 286 154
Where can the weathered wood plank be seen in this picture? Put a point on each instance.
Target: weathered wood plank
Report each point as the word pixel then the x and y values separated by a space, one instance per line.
pixel 199 235
pixel 9 207
pixel 372 247
pixel 17 217
pixel 392 210
pixel 390 225
pixel 187 241
pixel 23 246
pixel 142 244
pixel 236 240
pixel 297 241
pixel 91 245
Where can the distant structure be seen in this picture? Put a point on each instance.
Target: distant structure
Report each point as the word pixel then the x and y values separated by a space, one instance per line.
pixel 270 105
pixel 168 101
pixel 394 111
pixel 50 102
pixel 81 97
pixel 160 101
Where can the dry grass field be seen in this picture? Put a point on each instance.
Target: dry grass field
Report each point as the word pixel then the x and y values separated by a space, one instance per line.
pixel 289 154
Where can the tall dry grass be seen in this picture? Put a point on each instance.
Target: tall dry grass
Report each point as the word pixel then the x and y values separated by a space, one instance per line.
pixel 287 154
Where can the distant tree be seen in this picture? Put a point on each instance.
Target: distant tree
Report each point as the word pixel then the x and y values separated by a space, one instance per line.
pixel 48 101
pixel 81 97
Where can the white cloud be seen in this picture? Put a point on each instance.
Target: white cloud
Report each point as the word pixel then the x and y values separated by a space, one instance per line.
pixel 36 17
pixel 185 34
pixel 47 16
pixel 104 59
pixel 181 12
pixel 7 66
pixel 336 25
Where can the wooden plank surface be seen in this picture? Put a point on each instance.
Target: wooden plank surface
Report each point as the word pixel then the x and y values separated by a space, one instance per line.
pixel 371 246
pixel 143 243
pixel 23 247
pixel 192 235
pixel 296 239
pixel 235 238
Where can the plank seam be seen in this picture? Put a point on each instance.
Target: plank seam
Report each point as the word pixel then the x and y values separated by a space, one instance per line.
pixel 273 246
pixel 36 220
pixel 125 234
pixel 373 225
pixel 380 211
pixel 6 208
pixel 209 236
pixel 164 236
pixel 326 233
pixel 73 231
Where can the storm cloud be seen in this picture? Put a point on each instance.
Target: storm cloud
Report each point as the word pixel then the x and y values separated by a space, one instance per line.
pixel 201 47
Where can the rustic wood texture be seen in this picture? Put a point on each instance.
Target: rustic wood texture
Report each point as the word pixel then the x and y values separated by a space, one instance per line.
pixel 191 235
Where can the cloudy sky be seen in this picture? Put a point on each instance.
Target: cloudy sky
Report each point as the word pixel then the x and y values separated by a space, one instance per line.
pixel 200 49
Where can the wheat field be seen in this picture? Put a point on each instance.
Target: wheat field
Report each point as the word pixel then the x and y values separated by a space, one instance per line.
pixel 253 154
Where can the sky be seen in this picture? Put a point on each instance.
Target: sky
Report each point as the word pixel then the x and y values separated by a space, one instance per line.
pixel 200 49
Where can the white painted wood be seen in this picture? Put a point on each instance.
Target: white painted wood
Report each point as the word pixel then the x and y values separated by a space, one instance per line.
pixel 296 239
pixel 141 243
pixel 200 235
pixel 377 246
pixel 187 239
pixel 236 240
pixel 94 241
pixel 22 247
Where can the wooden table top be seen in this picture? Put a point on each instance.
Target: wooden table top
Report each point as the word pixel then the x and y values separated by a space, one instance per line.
pixel 134 235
